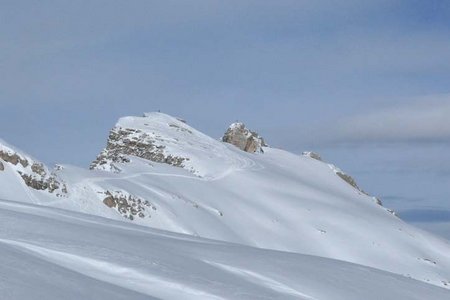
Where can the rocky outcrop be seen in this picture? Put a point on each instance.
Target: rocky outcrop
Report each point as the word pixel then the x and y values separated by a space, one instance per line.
pixel 50 183
pixel 127 205
pixel 347 178
pixel 13 158
pixel 393 212
pixel 351 181
pixel 249 141
pixel 312 155
pixel 377 201
pixel 34 174
pixel 344 176
pixel 125 142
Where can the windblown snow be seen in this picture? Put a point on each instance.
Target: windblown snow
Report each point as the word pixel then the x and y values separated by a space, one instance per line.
pixel 170 213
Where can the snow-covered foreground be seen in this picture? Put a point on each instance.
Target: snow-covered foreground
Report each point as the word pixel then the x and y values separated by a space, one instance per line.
pixel 51 254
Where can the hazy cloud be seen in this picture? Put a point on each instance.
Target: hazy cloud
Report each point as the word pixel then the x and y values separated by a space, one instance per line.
pixel 426 120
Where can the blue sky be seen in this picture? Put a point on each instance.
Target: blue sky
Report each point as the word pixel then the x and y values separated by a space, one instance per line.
pixel 366 83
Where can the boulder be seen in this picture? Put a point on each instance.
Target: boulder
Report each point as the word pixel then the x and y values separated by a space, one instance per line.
pixel 246 140
pixel 313 155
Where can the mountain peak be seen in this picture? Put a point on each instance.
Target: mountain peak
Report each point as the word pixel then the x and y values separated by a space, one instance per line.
pixel 145 137
pixel 161 138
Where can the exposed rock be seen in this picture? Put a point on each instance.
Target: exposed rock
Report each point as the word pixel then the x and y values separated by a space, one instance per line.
pixel 349 179
pixel 38 168
pixel 124 142
pixel 377 201
pixel 13 158
pixel 393 212
pixel 58 168
pixel 127 205
pixel 313 155
pixel 110 201
pixel 34 174
pixel 237 134
pixel 2 167
pixel 44 182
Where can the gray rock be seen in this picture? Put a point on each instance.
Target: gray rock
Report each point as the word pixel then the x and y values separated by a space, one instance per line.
pixel 124 142
pixel 36 178
pixel 128 206
pixel 13 158
pixel 249 141
pixel 38 168
pixel 110 201
pixel 313 155
pixel 43 182
pixel 349 179
pixel 377 201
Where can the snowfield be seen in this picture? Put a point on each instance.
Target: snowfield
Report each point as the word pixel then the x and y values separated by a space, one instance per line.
pixel 48 253
pixel 205 220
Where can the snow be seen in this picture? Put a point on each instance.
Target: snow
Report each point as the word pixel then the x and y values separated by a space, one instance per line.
pixel 55 254
pixel 313 225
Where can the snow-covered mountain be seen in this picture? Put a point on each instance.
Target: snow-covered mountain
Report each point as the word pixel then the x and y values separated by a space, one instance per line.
pixel 157 171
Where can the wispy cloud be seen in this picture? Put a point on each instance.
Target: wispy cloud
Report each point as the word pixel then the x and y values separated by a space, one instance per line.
pixel 425 120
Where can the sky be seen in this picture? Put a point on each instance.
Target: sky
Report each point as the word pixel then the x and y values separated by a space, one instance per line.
pixel 364 83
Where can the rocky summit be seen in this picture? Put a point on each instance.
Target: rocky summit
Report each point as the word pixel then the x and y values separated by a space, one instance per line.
pixel 137 138
pixel 243 138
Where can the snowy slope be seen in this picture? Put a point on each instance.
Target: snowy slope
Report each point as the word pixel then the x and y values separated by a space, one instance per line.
pixel 55 254
pixel 187 182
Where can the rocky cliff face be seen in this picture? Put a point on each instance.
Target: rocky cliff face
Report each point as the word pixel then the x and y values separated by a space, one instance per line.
pixel 125 142
pixel 243 138
pixel 34 174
